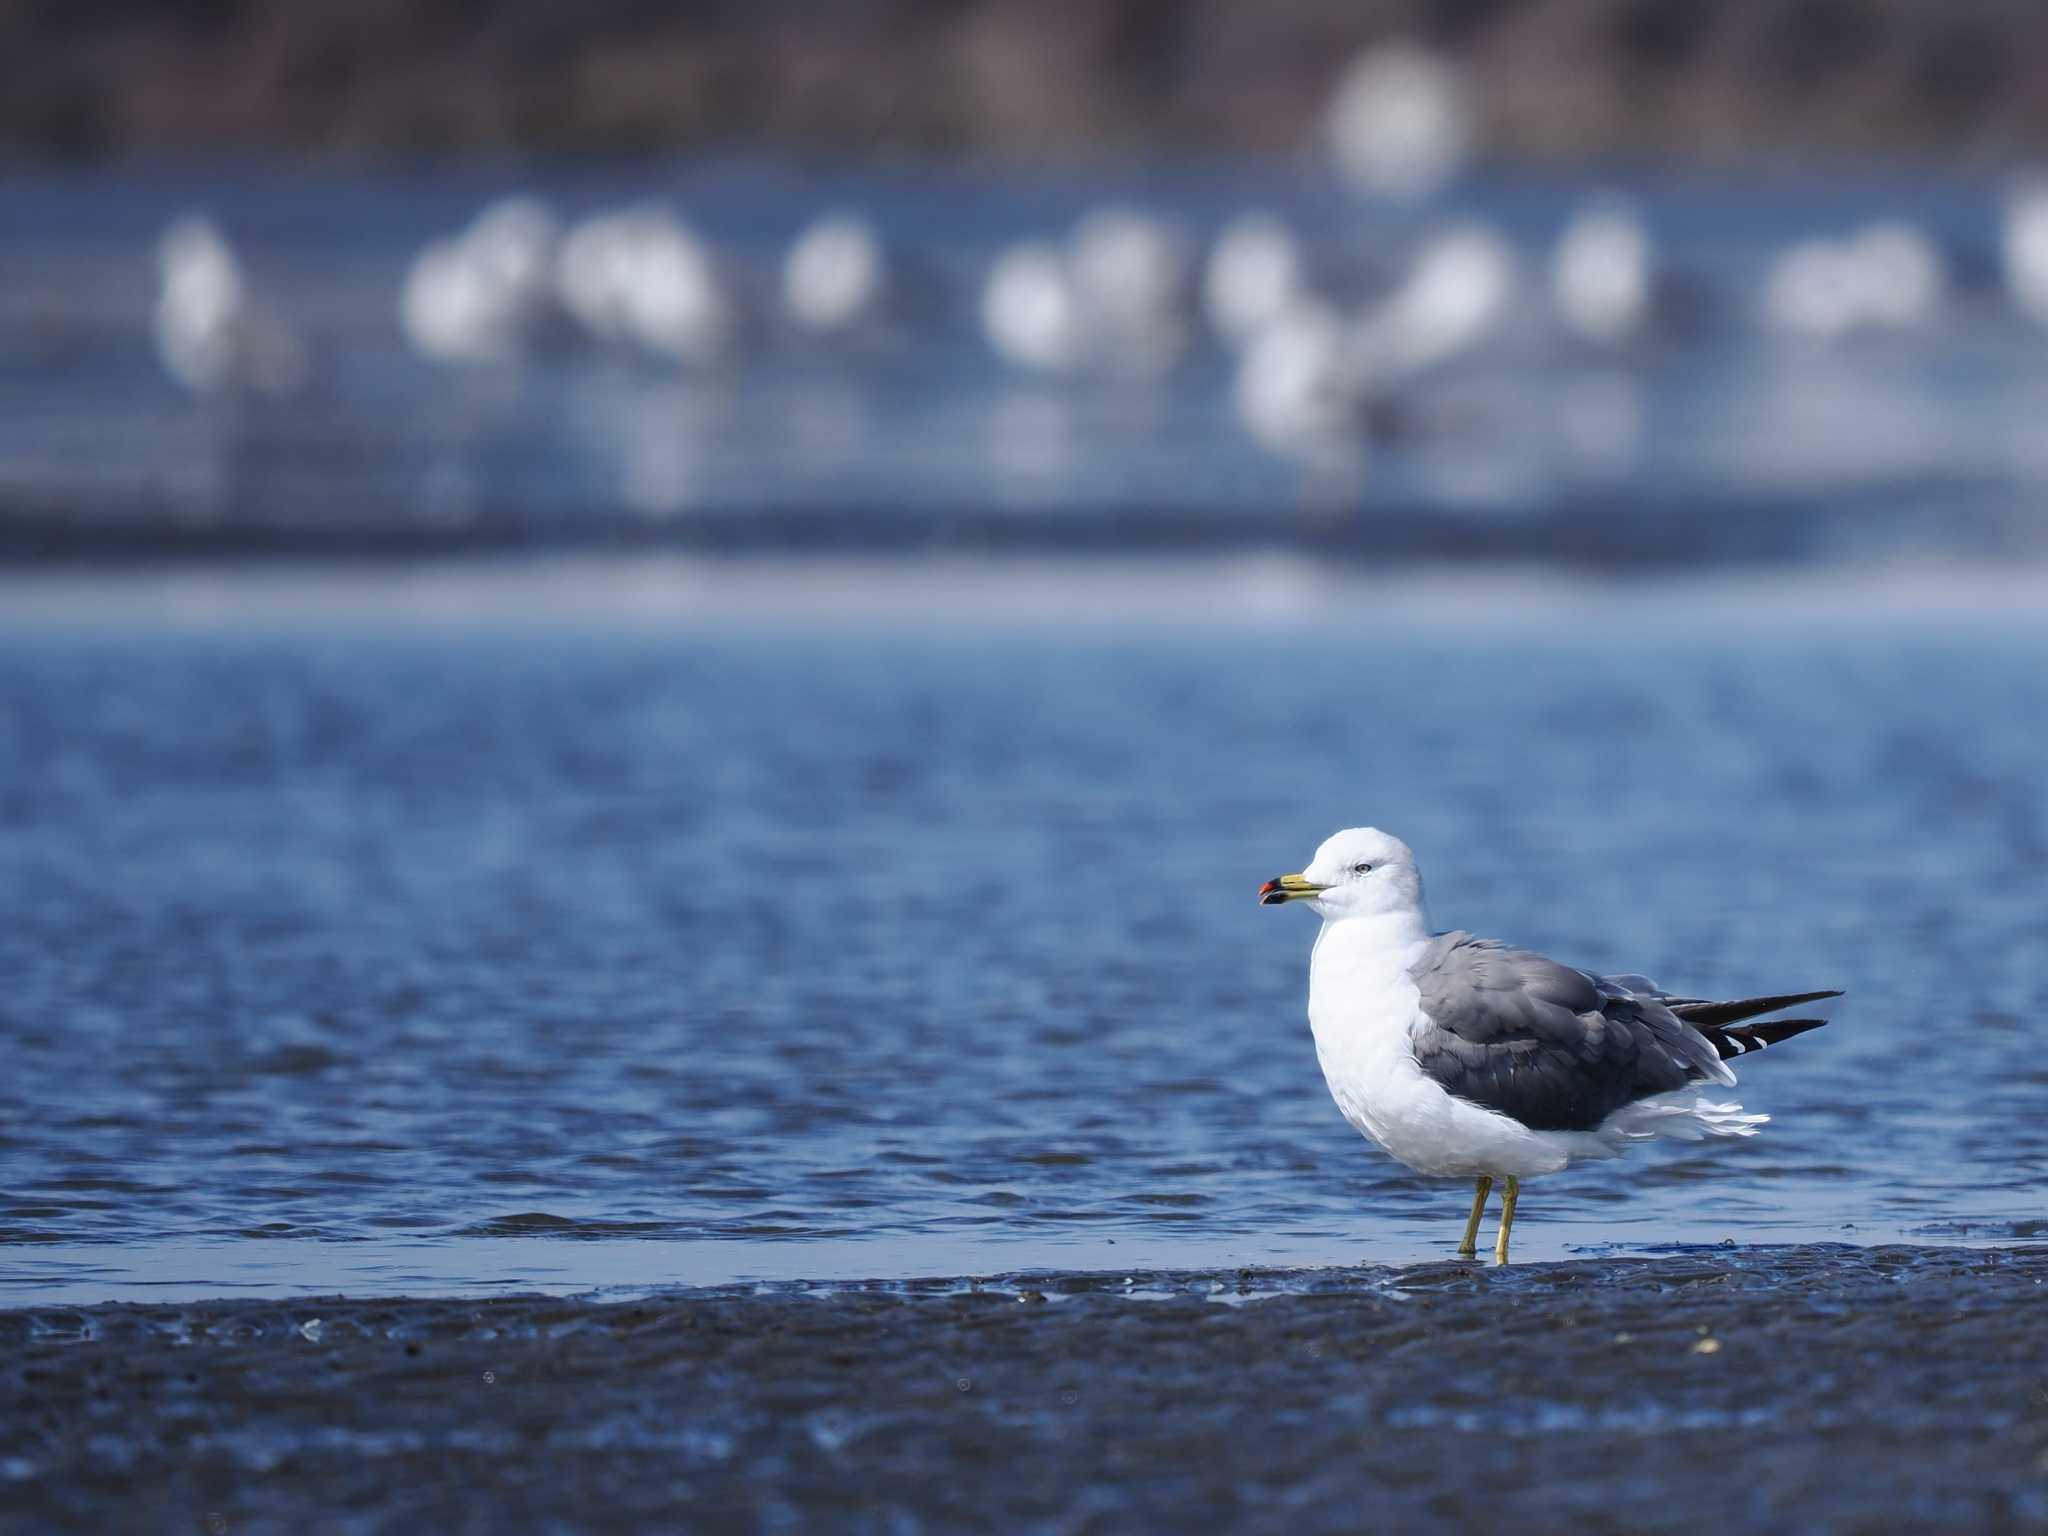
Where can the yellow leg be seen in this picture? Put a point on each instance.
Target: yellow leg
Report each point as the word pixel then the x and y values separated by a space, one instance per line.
pixel 1507 1219
pixel 1471 1244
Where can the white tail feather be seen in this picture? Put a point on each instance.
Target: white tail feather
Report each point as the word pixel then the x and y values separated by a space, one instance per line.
pixel 1682 1116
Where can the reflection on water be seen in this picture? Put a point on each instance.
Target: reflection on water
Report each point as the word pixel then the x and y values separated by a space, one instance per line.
pixel 918 939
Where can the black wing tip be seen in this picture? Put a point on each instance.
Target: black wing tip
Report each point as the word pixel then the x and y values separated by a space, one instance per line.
pixel 1741 1039
pixel 1705 1013
pixel 1793 999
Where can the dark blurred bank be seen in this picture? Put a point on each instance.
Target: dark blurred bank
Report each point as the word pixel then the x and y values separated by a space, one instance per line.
pixel 1561 79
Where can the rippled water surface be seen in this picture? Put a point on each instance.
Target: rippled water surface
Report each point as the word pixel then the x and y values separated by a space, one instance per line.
pixel 585 954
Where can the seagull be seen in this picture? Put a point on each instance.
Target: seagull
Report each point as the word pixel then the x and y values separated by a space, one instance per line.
pixel 487 294
pixel 1031 311
pixel 1254 275
pixel 1603 278
pixel 1401 122
pixel 642 275
pixel 1462 1057
pixel 2024 246
pixel 835 280
pixel 214 337
pixel 1888 277
pixel 1132 275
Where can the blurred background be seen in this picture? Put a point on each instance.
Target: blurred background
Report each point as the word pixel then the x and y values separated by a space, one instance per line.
pixel 1603 282
pixel 691 626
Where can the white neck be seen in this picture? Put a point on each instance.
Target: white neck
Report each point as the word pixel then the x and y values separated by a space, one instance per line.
pixel 1362 1004
pixel 1381 931
pixel 1379 946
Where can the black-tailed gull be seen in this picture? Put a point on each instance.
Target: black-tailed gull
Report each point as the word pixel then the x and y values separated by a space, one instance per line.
pixel 1462 1057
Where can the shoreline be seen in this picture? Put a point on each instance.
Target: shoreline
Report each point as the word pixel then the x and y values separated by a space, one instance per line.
pixel 1789 1388
pixel 1078 595
pixel 551 1257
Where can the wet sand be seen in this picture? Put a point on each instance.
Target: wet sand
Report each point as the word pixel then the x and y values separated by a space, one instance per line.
pixel 1799 1388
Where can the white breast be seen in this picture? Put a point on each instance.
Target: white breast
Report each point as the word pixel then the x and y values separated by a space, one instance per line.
pixel 1363 1008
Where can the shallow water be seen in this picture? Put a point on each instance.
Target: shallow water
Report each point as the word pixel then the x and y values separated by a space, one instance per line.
pixel 578 953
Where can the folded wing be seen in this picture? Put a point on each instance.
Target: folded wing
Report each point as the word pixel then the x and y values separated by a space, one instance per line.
pixel 1560 1049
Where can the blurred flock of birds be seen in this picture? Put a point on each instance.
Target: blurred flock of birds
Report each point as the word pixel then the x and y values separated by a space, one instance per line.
pixel 1328 350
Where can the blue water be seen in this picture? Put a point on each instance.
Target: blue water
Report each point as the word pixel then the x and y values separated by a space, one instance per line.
pixel 617 920
pixel 490 943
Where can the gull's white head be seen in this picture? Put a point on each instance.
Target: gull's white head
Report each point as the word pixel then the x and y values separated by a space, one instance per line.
pixel 1360 872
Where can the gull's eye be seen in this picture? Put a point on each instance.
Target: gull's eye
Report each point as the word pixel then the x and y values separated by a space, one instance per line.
pixel 1361 869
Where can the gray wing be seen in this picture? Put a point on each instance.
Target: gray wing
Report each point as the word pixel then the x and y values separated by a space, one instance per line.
pixel 1555 1048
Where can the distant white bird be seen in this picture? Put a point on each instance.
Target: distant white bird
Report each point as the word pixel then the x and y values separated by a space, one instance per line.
pixel 1117 296
pixel 1255 272
pixel 1133 277
pixel 678 302
pixel 212 335
pixel 836 277
pixel 641 275
pixel 1295 389
pixel 1309 379
pixel 594 272
pixel 1401 122
pixel 514 241
pixel 1464 1058
pixel 1031 312
pixel 487 294
pixel 1603 278
pixel 1886 277
pixel 2024 246
pixel 1811 291
pixel 1457 295
pixel 452 312
pixel 1902 274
